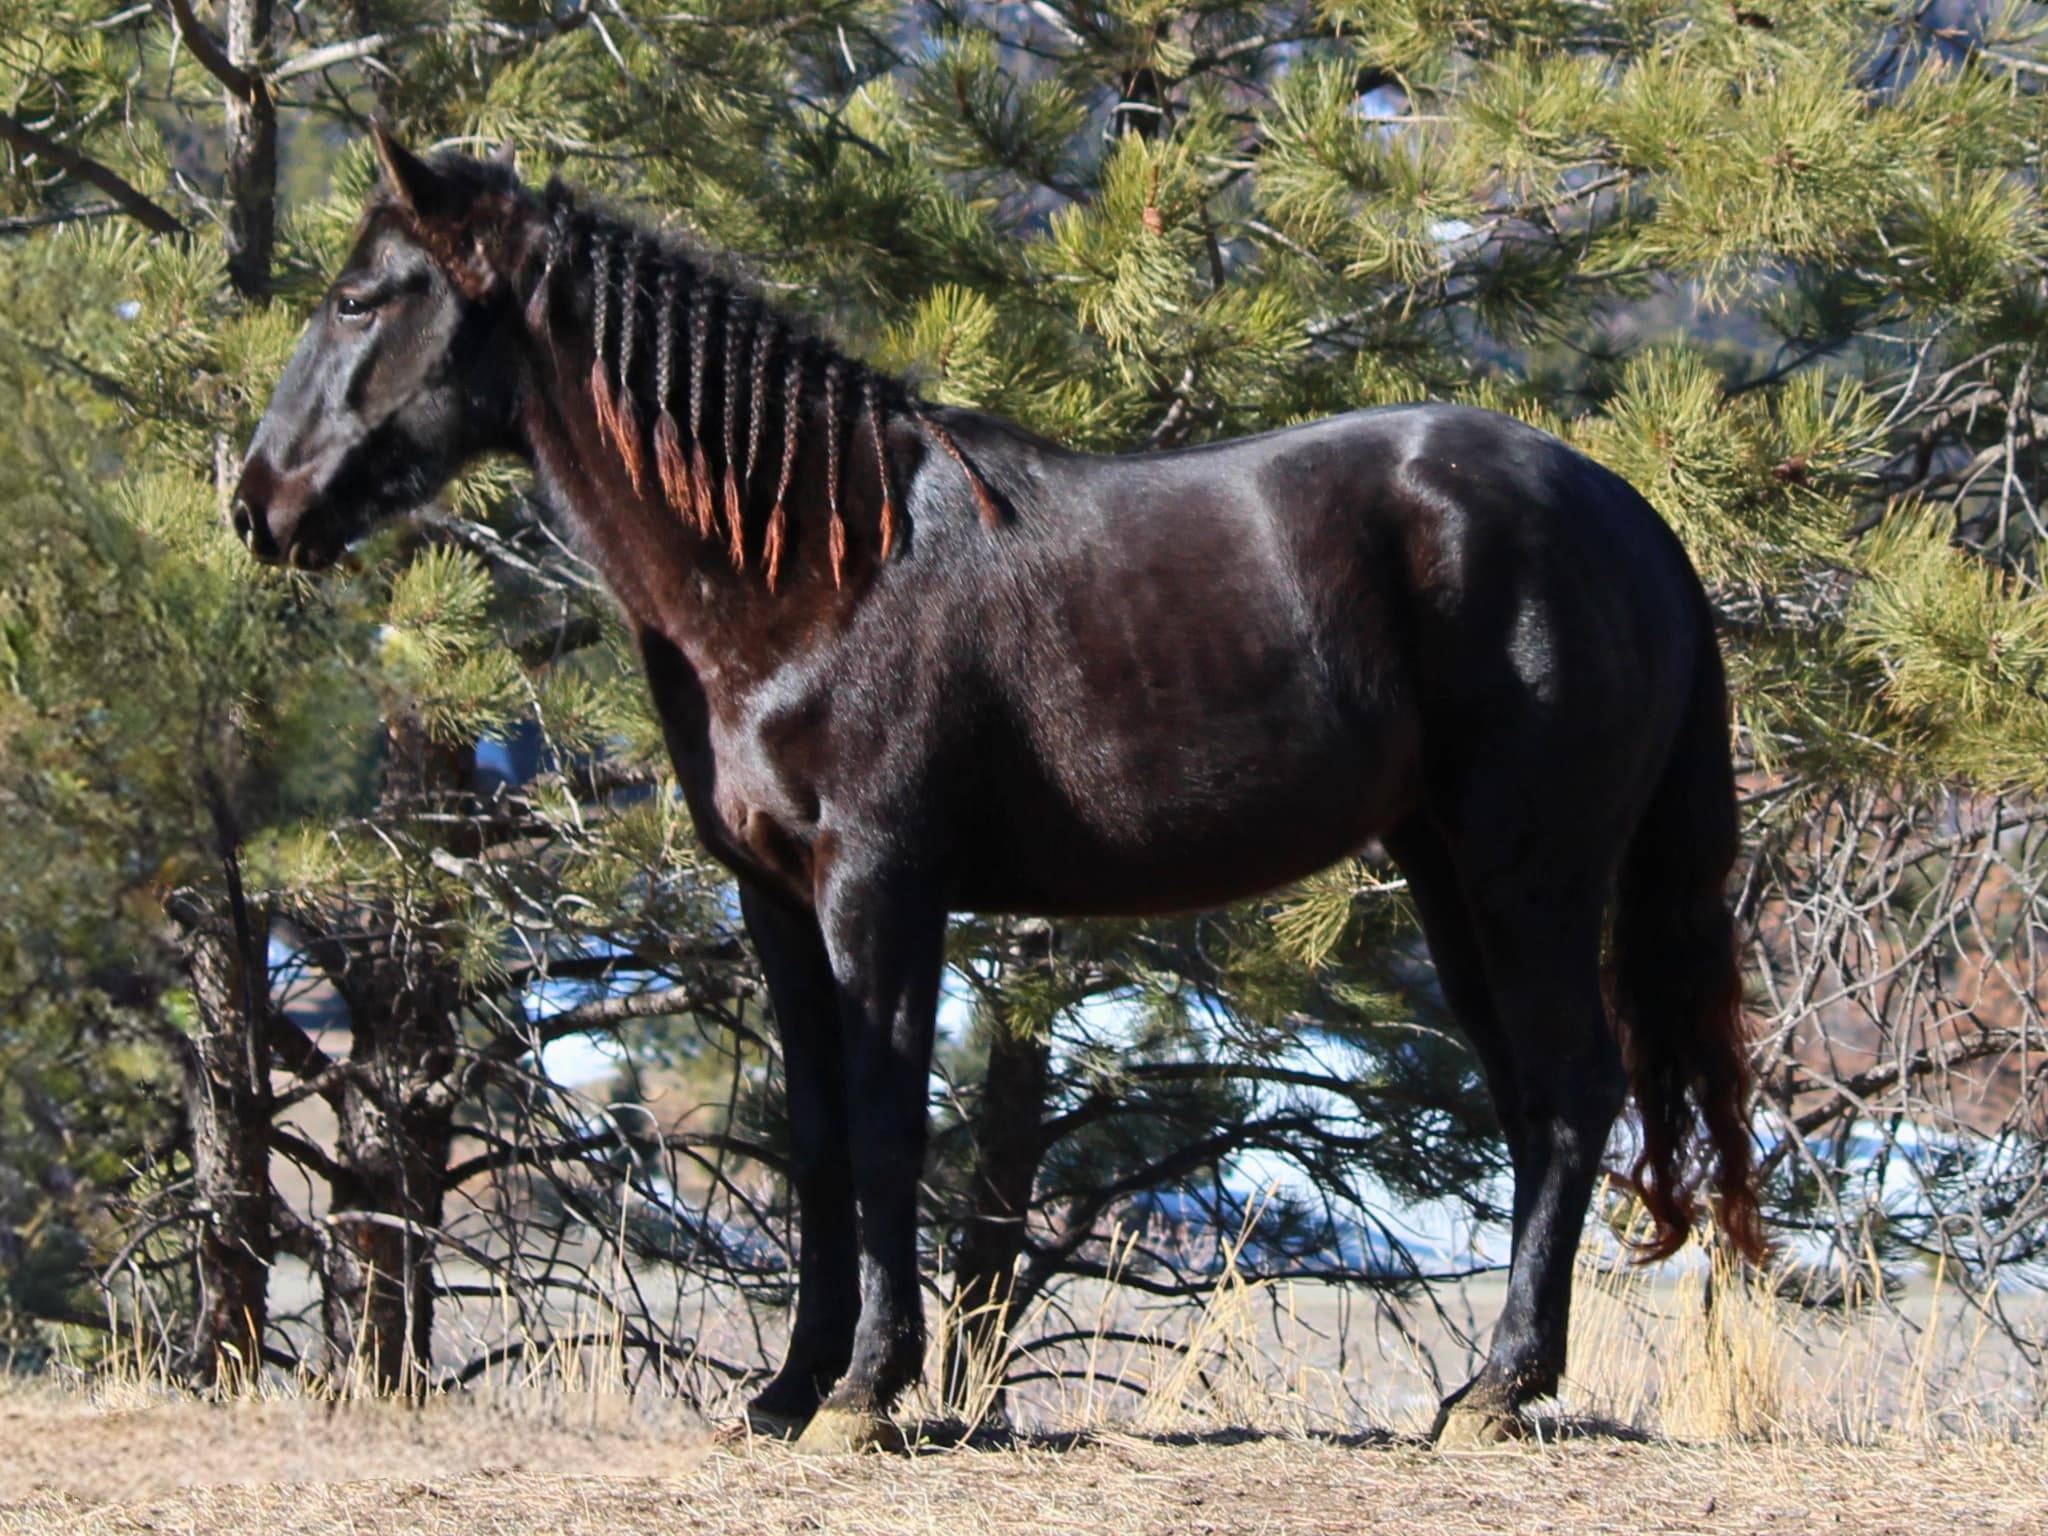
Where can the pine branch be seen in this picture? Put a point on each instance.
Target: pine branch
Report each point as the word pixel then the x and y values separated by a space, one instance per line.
pixel 606 1012
pixel 515 1155
pixel 603 1013
pixel 723 951
pixel 23 225
pixel 295 1050
pixel 210 53
pixel 1102 1106
pixel 134 203
pixel 307 1155
pixel 559 640
pixel 331 54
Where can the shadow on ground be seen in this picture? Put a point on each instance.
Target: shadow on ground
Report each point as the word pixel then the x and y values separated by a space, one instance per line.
pixel 932 1436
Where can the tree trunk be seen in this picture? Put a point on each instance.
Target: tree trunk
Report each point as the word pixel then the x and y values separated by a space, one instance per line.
pixel 390 1187
pixel 377 1276
pixel 227 1111
pixel 251 124
pixel 1007 1147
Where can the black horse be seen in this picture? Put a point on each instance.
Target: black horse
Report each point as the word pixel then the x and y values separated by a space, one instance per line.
pixel 913 660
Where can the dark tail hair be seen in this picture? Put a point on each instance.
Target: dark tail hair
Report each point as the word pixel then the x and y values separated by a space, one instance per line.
pixel 1676 987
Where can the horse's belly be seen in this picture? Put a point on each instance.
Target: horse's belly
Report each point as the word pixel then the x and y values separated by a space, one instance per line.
pixel 1127 845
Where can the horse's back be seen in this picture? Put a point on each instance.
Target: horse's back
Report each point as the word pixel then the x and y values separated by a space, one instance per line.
pixel 1394 540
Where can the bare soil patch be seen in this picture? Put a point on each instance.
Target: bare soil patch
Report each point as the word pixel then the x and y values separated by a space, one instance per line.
pixel 299 1467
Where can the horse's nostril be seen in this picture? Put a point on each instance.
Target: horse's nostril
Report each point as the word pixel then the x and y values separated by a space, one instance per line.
pixel 249 511
pixel 253 529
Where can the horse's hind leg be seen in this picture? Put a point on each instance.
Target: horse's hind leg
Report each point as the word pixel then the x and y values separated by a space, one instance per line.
pixel 1453 934
pixel 1539 931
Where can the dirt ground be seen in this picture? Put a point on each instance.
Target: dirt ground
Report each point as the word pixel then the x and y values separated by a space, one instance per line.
pixel 297 1468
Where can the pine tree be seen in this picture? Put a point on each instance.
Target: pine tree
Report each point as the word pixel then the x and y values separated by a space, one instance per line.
pixel 1779 265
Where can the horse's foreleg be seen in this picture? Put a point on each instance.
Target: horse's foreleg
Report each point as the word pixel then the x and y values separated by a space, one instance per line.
pixel 1543 969
pixel 887 947
pixel 806 1004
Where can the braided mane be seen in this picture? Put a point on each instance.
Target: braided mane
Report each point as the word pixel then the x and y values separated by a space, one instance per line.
pixel 723 366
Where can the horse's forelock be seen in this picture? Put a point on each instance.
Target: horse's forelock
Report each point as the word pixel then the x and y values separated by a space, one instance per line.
pixel 482 243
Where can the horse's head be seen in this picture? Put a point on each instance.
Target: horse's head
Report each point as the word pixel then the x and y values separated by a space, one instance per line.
pixel 408 369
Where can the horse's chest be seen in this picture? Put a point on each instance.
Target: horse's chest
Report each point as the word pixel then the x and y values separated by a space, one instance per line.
pixel 754 811
pixel 751 817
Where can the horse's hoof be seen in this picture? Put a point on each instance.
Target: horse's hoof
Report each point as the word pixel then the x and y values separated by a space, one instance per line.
pixel 1478 1429
pixel 760 1423
pixel 767 1424
pixel 845 1431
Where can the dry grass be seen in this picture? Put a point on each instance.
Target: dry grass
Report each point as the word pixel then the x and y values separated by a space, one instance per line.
pixel 462 1467
pixel 1707 1401
pixel 1719 1354
pixel 1703 1351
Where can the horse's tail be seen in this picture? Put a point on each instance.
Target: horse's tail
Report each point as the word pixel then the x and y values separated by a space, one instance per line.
pixel 1676 988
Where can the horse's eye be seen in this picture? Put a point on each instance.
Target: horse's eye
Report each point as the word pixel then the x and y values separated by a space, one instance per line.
pixel 352 306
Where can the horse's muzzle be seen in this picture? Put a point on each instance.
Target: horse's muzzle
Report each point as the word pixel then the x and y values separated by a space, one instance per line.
pixel 268 511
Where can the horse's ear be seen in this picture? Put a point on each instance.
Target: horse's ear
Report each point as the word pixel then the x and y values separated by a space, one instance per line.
pixel 505 155
pixel 416 184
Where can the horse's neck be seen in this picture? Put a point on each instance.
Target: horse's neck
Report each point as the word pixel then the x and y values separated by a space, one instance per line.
pixel 671 578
